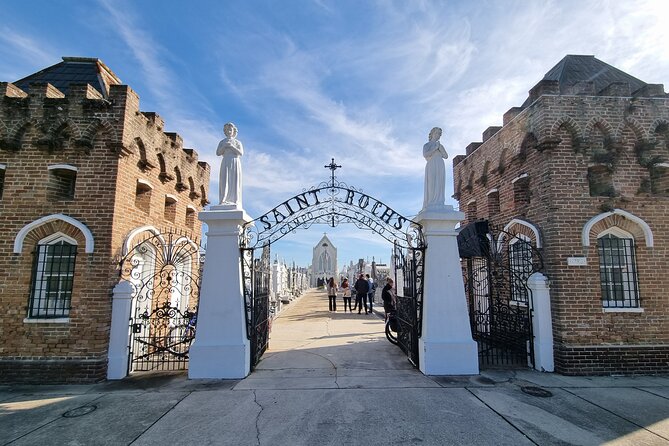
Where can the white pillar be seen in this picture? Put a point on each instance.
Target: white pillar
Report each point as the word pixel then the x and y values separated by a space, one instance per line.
pixel 446 346
pixel 542 323
pixel 221 348
pixel 119 333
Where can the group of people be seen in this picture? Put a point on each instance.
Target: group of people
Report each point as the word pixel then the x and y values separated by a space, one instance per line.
pixel 364 290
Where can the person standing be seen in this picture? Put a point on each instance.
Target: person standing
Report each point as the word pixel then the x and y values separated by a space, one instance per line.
pixel 361 290
pixel 332 294
pixel 370 292
pixel 346 294
pixel 387 297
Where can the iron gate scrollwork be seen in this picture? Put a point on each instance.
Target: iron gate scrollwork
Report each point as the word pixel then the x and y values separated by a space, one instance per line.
pixel 256 273
pixel 408 264
pixel 496 267
pixel 164 272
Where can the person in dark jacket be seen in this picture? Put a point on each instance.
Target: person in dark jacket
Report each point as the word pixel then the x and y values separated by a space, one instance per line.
pixel 388 297
pixel 361 289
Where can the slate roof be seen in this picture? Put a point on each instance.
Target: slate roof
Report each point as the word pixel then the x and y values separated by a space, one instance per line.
pixel 73 70
pixel 573 69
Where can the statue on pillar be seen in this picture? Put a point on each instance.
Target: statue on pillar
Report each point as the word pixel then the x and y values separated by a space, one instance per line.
pixel 435 172
pixel 230 176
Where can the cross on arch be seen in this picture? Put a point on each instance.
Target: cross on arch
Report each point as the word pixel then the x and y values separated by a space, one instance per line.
pixel 332 166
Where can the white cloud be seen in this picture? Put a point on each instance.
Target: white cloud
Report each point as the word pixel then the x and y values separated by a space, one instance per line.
pixel 32 52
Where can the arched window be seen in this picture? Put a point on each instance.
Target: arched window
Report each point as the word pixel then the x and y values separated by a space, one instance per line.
pixel 53 277
pixel 325 262
pixel 617 269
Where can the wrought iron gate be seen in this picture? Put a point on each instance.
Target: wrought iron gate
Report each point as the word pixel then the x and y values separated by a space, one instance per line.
pixel 496 267
pixel 333 202
pixel 164 271
pixel 409 263
pixel 256 278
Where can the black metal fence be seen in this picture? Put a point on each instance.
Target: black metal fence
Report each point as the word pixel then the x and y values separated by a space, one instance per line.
pixel 256 276
pixel 496 267
pixel 164 270
pixel 409 263
pixel 161 339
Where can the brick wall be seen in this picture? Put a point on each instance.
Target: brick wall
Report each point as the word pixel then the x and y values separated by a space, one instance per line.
pixel 623 136
pixel 101 139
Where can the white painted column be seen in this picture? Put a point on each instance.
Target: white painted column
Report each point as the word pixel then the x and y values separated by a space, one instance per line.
pixel 119 333
pixel 542 322
pixel 446 346
pixel 221 348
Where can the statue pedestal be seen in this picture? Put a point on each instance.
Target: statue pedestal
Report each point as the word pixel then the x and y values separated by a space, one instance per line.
pixel 446 345
pixel 221 348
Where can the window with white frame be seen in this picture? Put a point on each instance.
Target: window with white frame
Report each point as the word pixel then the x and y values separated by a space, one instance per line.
pixel 617 269
pixel 520 262
pixel 53 277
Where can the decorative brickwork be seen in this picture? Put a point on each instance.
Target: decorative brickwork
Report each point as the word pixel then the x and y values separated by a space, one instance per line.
pixel 114 148
pixel 588 154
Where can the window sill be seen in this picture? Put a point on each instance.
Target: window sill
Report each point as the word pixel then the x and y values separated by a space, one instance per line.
pixel 622 310
pixel 57 320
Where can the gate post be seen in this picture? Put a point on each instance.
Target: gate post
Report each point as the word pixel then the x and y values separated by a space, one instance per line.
pixel 446 346
pixel 542 323
pixel 119 333
pixel 221 348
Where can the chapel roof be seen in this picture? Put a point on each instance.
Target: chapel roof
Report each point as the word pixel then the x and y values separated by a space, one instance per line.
pixel 323 240
pixel 73 70
pixel 577 68
pixel 573 69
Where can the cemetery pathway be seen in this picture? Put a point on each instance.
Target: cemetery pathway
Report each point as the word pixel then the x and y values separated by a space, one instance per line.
pixel 311 347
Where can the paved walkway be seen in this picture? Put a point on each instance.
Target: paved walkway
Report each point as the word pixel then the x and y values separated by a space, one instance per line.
pixel 333 379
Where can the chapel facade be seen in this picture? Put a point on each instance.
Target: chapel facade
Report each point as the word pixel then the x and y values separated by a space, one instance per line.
pixel 324 262
pixel 581 171
pixel 84 176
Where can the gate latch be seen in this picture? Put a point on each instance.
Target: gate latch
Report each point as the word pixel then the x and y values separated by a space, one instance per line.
pixel 136 328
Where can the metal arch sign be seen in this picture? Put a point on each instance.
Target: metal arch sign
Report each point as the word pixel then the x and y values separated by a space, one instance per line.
pixel 331 203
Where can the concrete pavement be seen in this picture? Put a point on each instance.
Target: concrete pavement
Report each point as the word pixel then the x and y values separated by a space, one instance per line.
pixel 333 378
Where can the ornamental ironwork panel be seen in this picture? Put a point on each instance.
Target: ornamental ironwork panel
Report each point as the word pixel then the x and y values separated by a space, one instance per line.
pixel 161 339
pixel 496 267
pixel 332 203
pixel 256 280
pixel 164 270
pixel 409 267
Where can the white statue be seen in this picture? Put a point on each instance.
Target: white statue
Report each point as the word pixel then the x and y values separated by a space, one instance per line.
pixel 435 172
pixel 230 177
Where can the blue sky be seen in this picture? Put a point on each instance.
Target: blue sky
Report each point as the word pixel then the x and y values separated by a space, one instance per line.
pixel 360 81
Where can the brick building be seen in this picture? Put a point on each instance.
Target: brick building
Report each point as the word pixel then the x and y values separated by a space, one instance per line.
pixel 581 171
pixel 84 174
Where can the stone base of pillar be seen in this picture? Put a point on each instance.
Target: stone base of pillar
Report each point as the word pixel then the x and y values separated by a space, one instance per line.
pixel 219 361
pixel 448 358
